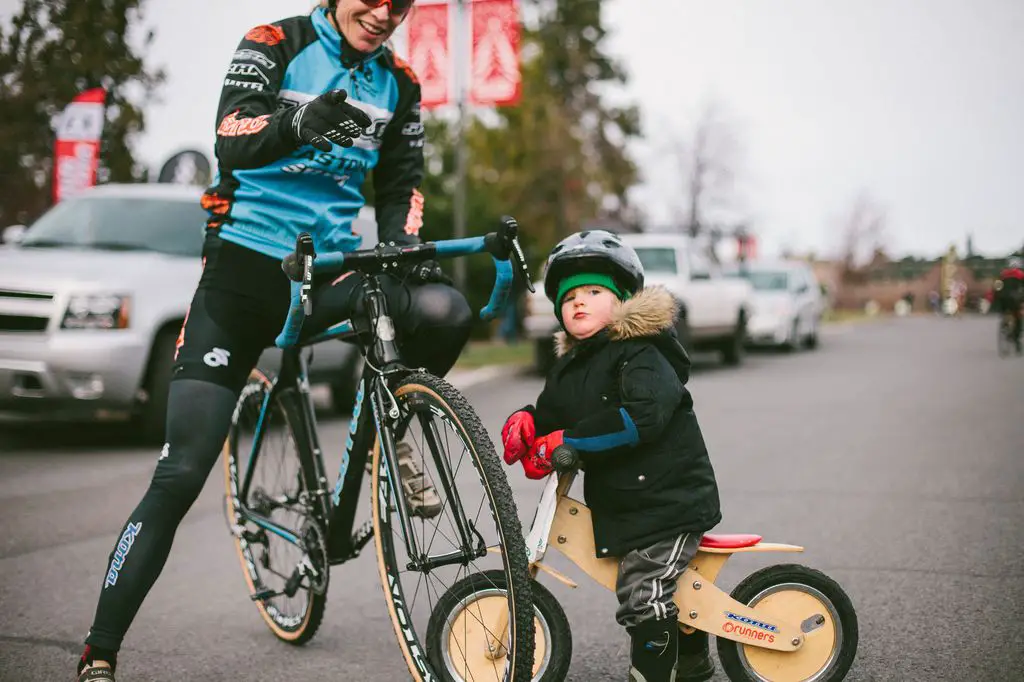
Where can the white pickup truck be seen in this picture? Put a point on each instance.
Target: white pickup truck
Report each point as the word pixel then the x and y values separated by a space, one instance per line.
pixel 713 309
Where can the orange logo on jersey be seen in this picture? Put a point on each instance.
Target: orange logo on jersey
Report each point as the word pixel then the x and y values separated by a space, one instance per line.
pixel 215 204
pixel 232 126
pixel 414 218
pixel 266 34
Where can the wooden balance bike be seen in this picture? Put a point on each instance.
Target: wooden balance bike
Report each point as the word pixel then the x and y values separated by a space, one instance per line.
pixel 783 623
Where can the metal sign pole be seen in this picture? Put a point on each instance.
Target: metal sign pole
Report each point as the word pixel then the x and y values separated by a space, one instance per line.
pixel 461 76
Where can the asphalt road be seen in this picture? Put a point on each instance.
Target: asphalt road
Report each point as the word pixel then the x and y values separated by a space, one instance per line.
pixel 893 453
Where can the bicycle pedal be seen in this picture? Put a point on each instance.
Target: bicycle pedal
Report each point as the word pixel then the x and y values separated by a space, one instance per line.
pixel 263 595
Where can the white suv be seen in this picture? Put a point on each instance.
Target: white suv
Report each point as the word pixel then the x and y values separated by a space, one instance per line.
pixel 92 300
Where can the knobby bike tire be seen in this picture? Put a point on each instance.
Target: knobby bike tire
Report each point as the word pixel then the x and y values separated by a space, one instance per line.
pixel 445 398
pixel 287 405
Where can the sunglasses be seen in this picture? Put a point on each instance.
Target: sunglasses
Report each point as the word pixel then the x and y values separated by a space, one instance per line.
pixel 396 7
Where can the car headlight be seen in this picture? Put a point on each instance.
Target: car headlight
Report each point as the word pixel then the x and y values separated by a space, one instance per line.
pixel 97 311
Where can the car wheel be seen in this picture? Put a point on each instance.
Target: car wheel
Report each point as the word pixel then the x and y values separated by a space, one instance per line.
pixel 733 347
pixel 683 332
pixel 811 341
pixel 152 421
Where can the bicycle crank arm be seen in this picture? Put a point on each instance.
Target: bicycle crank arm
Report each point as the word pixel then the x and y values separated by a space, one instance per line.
pixel 264 594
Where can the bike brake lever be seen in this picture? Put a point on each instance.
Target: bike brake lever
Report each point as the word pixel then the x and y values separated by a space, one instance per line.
pixel 509 236
pixel 520 261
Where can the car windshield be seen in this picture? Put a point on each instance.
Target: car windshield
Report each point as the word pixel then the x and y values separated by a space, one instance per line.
pixel 170 226
pixel 658 260
pixel 763 280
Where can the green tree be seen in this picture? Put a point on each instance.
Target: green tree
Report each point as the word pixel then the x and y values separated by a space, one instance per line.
pixel 555 161
pixel 52 50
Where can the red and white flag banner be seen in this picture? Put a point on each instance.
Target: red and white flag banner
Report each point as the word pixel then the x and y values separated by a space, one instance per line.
pixel 77 150
pixel 429 53
pixel 495 77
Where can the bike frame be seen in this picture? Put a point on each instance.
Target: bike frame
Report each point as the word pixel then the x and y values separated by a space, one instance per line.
pixel 335 507
pixel 565 524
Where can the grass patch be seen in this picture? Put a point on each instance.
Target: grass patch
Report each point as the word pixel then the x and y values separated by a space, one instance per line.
pixel 485 353
pixel 847 315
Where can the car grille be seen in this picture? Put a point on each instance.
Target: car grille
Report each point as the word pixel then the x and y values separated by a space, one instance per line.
pixel 30 295
pixel 22 323
pixel 14 317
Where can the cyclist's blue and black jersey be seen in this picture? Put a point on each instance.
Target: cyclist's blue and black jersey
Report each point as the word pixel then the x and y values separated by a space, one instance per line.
pixel 266 190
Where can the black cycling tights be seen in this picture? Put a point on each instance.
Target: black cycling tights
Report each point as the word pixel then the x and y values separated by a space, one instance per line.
pixel 238 309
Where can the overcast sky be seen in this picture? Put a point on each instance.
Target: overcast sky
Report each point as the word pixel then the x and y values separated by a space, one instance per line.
pixel 920 103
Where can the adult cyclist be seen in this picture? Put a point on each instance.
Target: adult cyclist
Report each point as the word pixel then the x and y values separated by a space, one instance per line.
pixel 1008 295
pixel 309 106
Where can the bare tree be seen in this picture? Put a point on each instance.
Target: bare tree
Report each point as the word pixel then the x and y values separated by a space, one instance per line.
pixel 862 233
pixel 708 162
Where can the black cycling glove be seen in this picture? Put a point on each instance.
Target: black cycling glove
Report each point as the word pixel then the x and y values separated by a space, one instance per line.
pixel 429 272
pixel 328 118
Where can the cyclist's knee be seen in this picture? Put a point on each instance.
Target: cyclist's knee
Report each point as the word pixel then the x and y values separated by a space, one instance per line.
pixel 177 484
pixel 438 305
pixel 198 419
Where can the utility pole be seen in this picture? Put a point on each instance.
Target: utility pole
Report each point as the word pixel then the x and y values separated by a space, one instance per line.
pixel 461 77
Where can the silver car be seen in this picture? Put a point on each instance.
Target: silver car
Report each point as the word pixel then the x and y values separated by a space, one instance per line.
pixel 92 300
pixel 788 303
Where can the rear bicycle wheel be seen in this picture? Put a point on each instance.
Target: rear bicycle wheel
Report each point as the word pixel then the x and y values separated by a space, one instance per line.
pixel 476 532
pixel 279 492
pixel 1005 333
pixel 805 596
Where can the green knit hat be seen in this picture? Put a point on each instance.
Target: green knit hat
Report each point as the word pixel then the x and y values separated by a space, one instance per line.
pixel 583 279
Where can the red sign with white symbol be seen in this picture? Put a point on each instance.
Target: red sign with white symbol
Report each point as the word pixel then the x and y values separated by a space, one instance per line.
pixel 428 53
pixel 495 78
pixel 77 151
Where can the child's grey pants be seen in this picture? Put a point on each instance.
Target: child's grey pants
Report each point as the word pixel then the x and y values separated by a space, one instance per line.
pixel 647 579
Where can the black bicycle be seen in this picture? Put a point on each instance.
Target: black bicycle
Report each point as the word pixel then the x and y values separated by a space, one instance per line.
pixel 1008 335
pixel 290 526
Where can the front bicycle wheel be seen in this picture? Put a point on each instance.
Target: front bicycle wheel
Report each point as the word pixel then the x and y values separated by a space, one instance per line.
pixel 286 576
pixel 476 531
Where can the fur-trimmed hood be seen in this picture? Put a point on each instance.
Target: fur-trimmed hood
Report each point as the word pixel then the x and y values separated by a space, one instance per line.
pixel 650 312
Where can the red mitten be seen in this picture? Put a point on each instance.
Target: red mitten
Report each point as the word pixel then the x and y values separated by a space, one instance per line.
pixel 537 463
pixel 517 436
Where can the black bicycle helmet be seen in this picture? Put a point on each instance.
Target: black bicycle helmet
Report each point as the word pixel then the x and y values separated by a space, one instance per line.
pixel 593 251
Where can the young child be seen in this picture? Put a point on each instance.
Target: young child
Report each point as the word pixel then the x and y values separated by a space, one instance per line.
pixel 617 395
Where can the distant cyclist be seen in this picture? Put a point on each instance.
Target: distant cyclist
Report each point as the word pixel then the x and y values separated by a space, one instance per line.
pixel 1008 295
pixel 310 105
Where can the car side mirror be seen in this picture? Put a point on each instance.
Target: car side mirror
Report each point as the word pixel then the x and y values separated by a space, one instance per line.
pixel 13 234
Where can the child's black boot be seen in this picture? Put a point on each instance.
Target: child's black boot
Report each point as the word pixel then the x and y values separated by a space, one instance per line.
pixel 695 664
pixel 655 645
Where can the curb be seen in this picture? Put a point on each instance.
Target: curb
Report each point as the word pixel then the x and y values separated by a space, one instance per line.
pixel 467 378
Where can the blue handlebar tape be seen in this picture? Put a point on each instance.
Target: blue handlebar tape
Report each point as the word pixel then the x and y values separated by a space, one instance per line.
pixel 329 261
pixel 502 286
pixel 296 315
pixel 460 247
